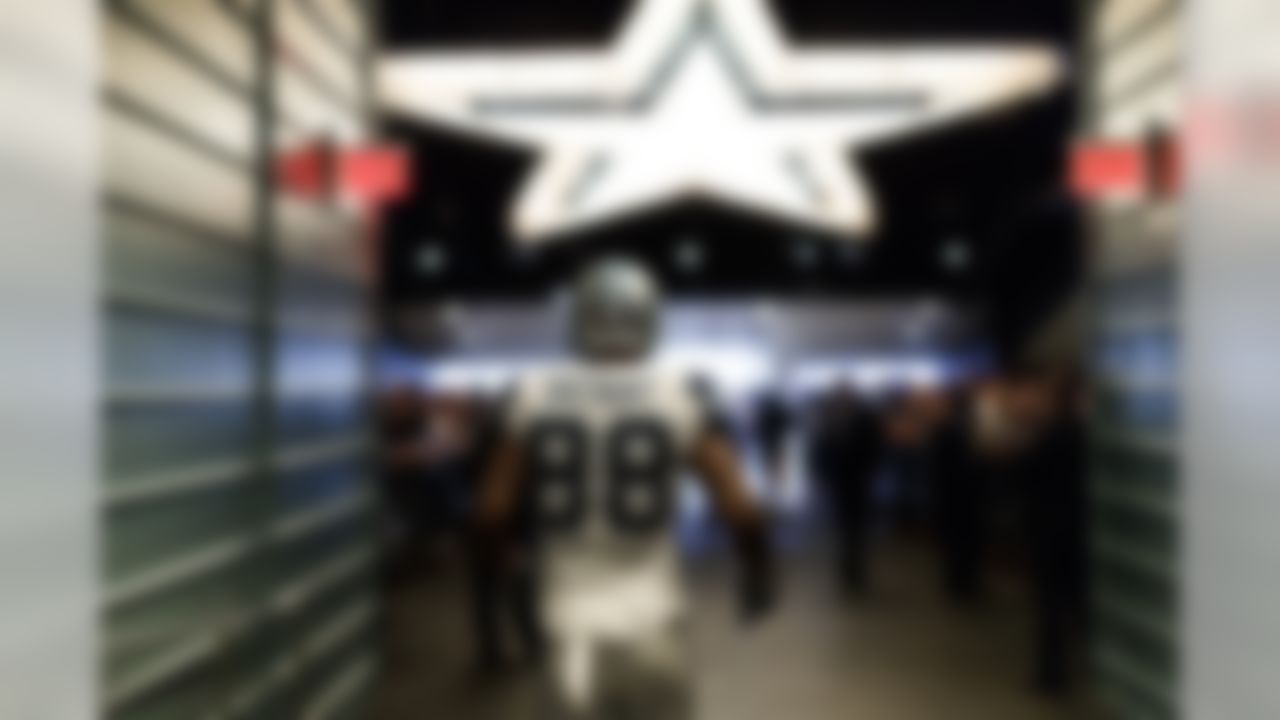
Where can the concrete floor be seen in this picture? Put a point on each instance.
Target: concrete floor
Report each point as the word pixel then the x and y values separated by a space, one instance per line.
pixel 900 654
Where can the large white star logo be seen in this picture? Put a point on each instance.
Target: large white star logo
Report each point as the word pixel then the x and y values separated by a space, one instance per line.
pixel 705 98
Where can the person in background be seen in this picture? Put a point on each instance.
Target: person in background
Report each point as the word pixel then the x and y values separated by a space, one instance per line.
pixel 960 499
pixel 499 597
pixel 844 456
pixel 1052 475
pixel 773 424
pixel 403 459
pixel 907 430
pixel 448 437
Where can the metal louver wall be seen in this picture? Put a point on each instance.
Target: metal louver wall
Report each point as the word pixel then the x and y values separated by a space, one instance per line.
pixel 1135 53
pixel 238 539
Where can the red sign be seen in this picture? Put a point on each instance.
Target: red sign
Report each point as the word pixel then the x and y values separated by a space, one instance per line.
pixel 1101 168
pixel 1152 166
pixel 376 173
pixel 306 171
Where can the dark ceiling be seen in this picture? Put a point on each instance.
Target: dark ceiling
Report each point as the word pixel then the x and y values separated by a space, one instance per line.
pixel 991 187
pixel 407 24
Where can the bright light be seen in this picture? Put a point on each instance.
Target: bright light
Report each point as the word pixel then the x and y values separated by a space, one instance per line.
pixel 955 255
pixel 869 374
pixel 689 255
pixel 432 259
pixel 706 98
pixel 736 369
pixel 483 375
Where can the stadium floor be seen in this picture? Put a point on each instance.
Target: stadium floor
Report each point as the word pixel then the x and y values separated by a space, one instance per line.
pixel 901 653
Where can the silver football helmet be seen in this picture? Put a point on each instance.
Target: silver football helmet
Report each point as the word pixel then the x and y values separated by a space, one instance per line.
pixel 615 310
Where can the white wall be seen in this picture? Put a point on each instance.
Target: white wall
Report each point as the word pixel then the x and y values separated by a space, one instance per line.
pixel 1231 621
pixel 48 360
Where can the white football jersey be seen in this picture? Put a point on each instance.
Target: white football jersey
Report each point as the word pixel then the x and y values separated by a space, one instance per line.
pixel 606 447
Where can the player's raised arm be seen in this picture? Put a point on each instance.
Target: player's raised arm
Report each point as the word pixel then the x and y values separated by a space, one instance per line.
pixel 715 461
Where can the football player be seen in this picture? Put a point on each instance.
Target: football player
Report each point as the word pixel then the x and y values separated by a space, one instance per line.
pixel 598 446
